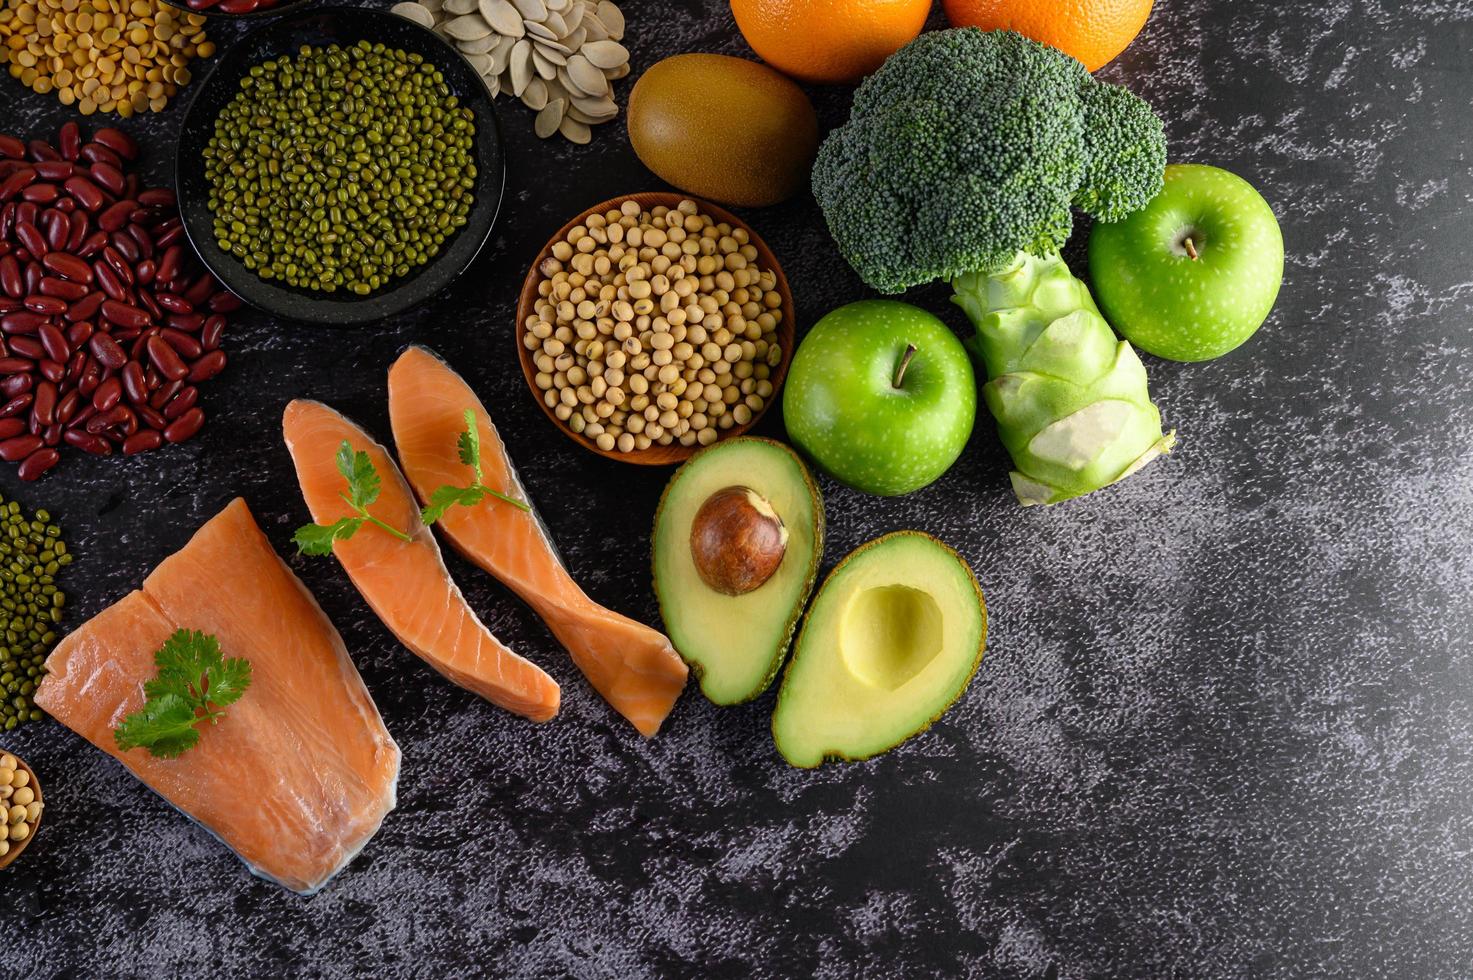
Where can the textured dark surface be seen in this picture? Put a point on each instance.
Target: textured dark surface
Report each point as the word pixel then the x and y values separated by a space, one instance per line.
pixel 1223 727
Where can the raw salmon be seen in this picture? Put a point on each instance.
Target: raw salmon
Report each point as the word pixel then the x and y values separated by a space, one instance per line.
pixel 634 667
pixel 300 772
pixel 406 582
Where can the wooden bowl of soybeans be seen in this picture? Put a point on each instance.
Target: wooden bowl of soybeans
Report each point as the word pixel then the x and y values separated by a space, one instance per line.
pixel 20 799
pixel 654 324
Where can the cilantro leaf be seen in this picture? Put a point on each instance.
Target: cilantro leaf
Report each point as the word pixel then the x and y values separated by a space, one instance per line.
pixel 363 479
pixel 192 677
pixel 165 726
pixel 447 496
pixel 470 445
pixel 317 539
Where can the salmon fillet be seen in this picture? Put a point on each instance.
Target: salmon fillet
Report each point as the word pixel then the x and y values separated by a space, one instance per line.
pixel 406 582
pixel 300 772
pixel 634 667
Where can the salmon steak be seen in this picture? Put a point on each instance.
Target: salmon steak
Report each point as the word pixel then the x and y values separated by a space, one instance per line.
pixel 632 666
pixel 299 773
pixel 406 583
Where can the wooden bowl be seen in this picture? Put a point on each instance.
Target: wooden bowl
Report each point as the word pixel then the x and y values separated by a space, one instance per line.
pixel 656 455
pixel 18 847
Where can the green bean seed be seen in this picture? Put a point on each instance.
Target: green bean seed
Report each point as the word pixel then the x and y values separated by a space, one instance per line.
pixel 30 605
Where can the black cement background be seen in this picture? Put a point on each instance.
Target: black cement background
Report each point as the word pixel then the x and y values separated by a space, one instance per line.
pixel 1222 728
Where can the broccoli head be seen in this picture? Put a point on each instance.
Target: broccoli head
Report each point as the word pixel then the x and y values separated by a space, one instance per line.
pixel 970 146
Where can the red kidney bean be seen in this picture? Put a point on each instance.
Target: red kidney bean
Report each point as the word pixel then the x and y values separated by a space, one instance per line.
pixel 76 366
pixel 207 367
pixel 118 141
pixel 187 322
pixel 26 212
pixel 117 416
pixel 150 304
pixel 78 333
pixel 201 290
pixel 10 277
pixel 115 217
pixel 78 225
pixel 87 194
pixel 152 418
pixel 21 322
pixel 86 307
pixel 87 442
pixel 135 384
pixel 53 341
pixel 11 147
pixel 209 337
pixel 107 351
pixel 124 315
pixel 88 382
pixel 109 281
pixel 96 152
pixel 11 427
pixel 141 237
pixel 185 426
pixel 69 140
pixel 54 170
pixel 62 288
pixel 19 447
pixel 32 275
pixel 16 182
pixel 16 384
pixel 170 263
pixel 174 304
pixel 27 346
pixel 181 402
pixel 48 305
pixel 68 406
pixel 143 441
pixel 124 244
pixel 108 177
pixel 37 463
pixel 16 405
pixel 108 394
pixel 168 233
pixel 56 227
pixel 52 371
pixel 41 150
pixel 166 391
pixel 67 266
pixel 44 407
pixel 145 272
pixel 31 238
pixel 92 245
pixel 7 220
pixel 122 266
pixel 184 345
pixel 224 302
pixel 157 197
pixel 43 192
pixel 166 359
pixel 15 365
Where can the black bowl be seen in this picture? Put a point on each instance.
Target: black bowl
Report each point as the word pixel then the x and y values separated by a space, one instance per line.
pixel 281 7
pixel 343 26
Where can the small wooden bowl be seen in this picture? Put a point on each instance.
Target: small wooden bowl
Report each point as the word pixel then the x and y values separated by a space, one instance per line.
pixel 18 847
pixel 675 453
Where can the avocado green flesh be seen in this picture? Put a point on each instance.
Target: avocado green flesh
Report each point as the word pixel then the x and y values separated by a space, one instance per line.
pixel 892 639
pixel 736 644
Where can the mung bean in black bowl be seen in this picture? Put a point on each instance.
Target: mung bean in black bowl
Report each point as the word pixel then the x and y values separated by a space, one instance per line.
pixel 32 552
pixel 340 165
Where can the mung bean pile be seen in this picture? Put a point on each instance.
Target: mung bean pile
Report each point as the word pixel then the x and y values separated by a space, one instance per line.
pixel 341 168
pixel 31 554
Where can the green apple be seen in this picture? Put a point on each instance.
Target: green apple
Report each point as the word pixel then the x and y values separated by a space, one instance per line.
pixel 880 394
pixel 1194 273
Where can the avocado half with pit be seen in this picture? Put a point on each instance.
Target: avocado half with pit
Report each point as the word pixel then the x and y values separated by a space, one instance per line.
pixel 891 641
pixel 737 542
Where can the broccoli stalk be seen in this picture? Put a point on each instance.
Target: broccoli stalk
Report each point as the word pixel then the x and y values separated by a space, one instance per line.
pixel 962 160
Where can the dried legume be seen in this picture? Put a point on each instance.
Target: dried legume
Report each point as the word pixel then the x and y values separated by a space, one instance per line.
pixel 654 327
pixel 103 312
pixel 341 168
pixel 20 810
pixel 32 553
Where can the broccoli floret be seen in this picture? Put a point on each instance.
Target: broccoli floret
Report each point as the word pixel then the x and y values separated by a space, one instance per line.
pixel 969 146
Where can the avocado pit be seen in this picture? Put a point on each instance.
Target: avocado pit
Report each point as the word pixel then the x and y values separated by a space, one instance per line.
pixel 737 540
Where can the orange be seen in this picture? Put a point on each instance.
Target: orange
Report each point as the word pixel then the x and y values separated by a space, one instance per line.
pixel 829 40
pixel 1094 31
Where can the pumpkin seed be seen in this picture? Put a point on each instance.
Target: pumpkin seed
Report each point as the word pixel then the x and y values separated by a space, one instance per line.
pixel 534 96
pixel 613 19
pixel 593 28
pixel 585 77
pixel 481 45
pixel 520 67
pixel 575 131
pixel 461 7
pixel 480 62
pixel 467 28
pixel 556 24
pixel 418 13
pixel 503 17
pixel 552 51
pixel 501 54
pixel 605 54
pixel 549 119
pixel 598 109
pixel 531 9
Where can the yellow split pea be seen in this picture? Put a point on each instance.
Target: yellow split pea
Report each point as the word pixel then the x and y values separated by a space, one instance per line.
pixel 122 56
pixel 654 327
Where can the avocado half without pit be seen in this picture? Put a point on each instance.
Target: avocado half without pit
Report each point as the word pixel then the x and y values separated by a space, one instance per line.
pixel 737 542
pixel 891 641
